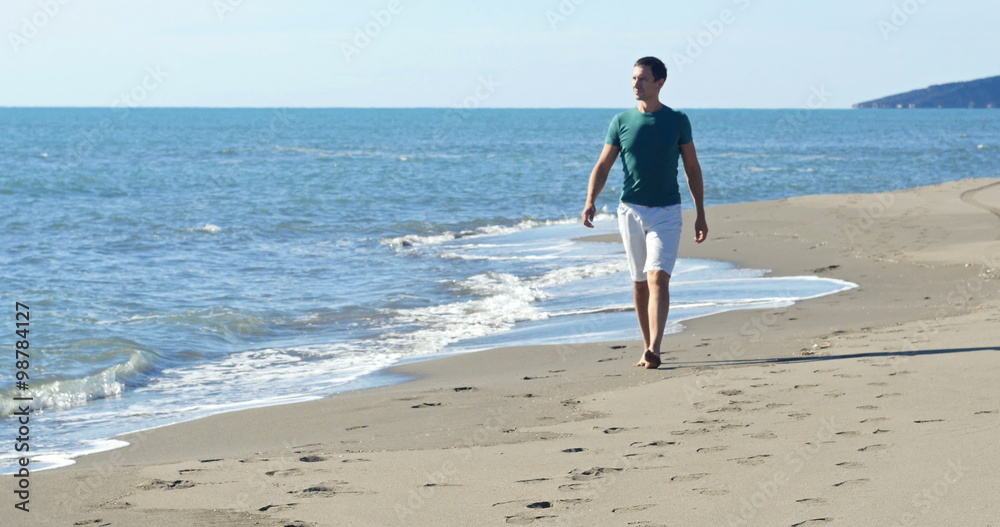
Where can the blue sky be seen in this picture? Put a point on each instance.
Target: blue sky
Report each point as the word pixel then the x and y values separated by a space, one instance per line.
pixel 515 53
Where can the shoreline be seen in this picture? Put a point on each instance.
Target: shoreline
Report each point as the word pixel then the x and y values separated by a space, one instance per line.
pixel 387 376
pixel 885 242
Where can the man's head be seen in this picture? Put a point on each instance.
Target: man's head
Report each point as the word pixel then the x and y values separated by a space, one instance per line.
pixel 648 77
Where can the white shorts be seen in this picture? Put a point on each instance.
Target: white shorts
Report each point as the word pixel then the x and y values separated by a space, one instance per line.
pixel 651 236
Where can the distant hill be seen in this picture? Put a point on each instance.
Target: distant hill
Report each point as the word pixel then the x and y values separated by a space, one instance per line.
pixel 981 93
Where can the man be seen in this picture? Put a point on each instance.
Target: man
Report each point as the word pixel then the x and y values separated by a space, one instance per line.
pixel 650 138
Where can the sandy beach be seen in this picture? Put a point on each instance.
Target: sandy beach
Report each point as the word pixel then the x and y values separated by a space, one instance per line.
pixel 875 406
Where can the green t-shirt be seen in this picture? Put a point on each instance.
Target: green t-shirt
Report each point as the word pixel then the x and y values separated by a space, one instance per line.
pixel 650 147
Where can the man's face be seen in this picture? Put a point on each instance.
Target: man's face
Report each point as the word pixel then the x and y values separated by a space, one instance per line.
pixel 643 85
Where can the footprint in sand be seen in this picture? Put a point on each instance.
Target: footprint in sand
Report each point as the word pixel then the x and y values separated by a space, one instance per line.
pixel 159 484
pixel 776 405
pixel 893 394
pixel 799 415
pixel 712 491
pixel 283 473
pixel 922 421
pixel 639 444
pixel 868 407
pixel 730 393
pixel 874 448
pixel 464 388
pixel 359 427
pixel 851 483
pixel 767 434
pixel 814 521
pixel 574 486
pixel 574 450
pixel 752 460
pixel 312 459
pixel 322 491
pixel 881 431
pixel 425 405
pixel 276 508
pixel 849 433
pixel 804 386
pixel 874 420
pixel 527 504
pixel 643 457
pixel 710 449
pixel 535 480
pixel 690 477
pixel 633 508
pixel 812 501
pixel 591 473
pixel 615 430
pixel 690 431
pixel 525 519
pixel 850 464
pixel 703 421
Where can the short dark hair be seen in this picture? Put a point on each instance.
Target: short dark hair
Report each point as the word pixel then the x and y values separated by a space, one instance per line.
pixel 655 65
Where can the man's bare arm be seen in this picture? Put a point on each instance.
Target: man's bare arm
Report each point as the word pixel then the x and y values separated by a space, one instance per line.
pixel 692 170
pixel 598 177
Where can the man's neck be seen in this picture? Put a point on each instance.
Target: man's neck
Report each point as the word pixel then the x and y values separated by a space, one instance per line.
pixel 650 106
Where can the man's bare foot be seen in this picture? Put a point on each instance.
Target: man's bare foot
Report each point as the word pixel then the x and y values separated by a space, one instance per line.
pixel 650 360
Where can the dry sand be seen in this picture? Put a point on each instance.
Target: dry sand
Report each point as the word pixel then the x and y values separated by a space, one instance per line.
pixel 877 406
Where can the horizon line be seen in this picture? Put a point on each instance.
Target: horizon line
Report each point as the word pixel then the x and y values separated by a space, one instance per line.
pixel 410 108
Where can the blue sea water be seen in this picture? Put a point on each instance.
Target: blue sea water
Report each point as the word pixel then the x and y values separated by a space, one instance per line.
pixel 185 262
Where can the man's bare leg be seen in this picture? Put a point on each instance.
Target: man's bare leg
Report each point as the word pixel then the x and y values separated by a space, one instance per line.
pixel 658 306
pixel 640 293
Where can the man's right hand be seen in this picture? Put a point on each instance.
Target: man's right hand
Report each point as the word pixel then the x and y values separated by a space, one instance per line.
pixel 588 215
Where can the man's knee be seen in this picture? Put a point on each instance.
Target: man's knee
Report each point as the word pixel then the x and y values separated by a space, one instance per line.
pixel 658 278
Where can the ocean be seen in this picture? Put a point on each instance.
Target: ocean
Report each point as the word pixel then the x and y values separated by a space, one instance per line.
pixel 179 263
